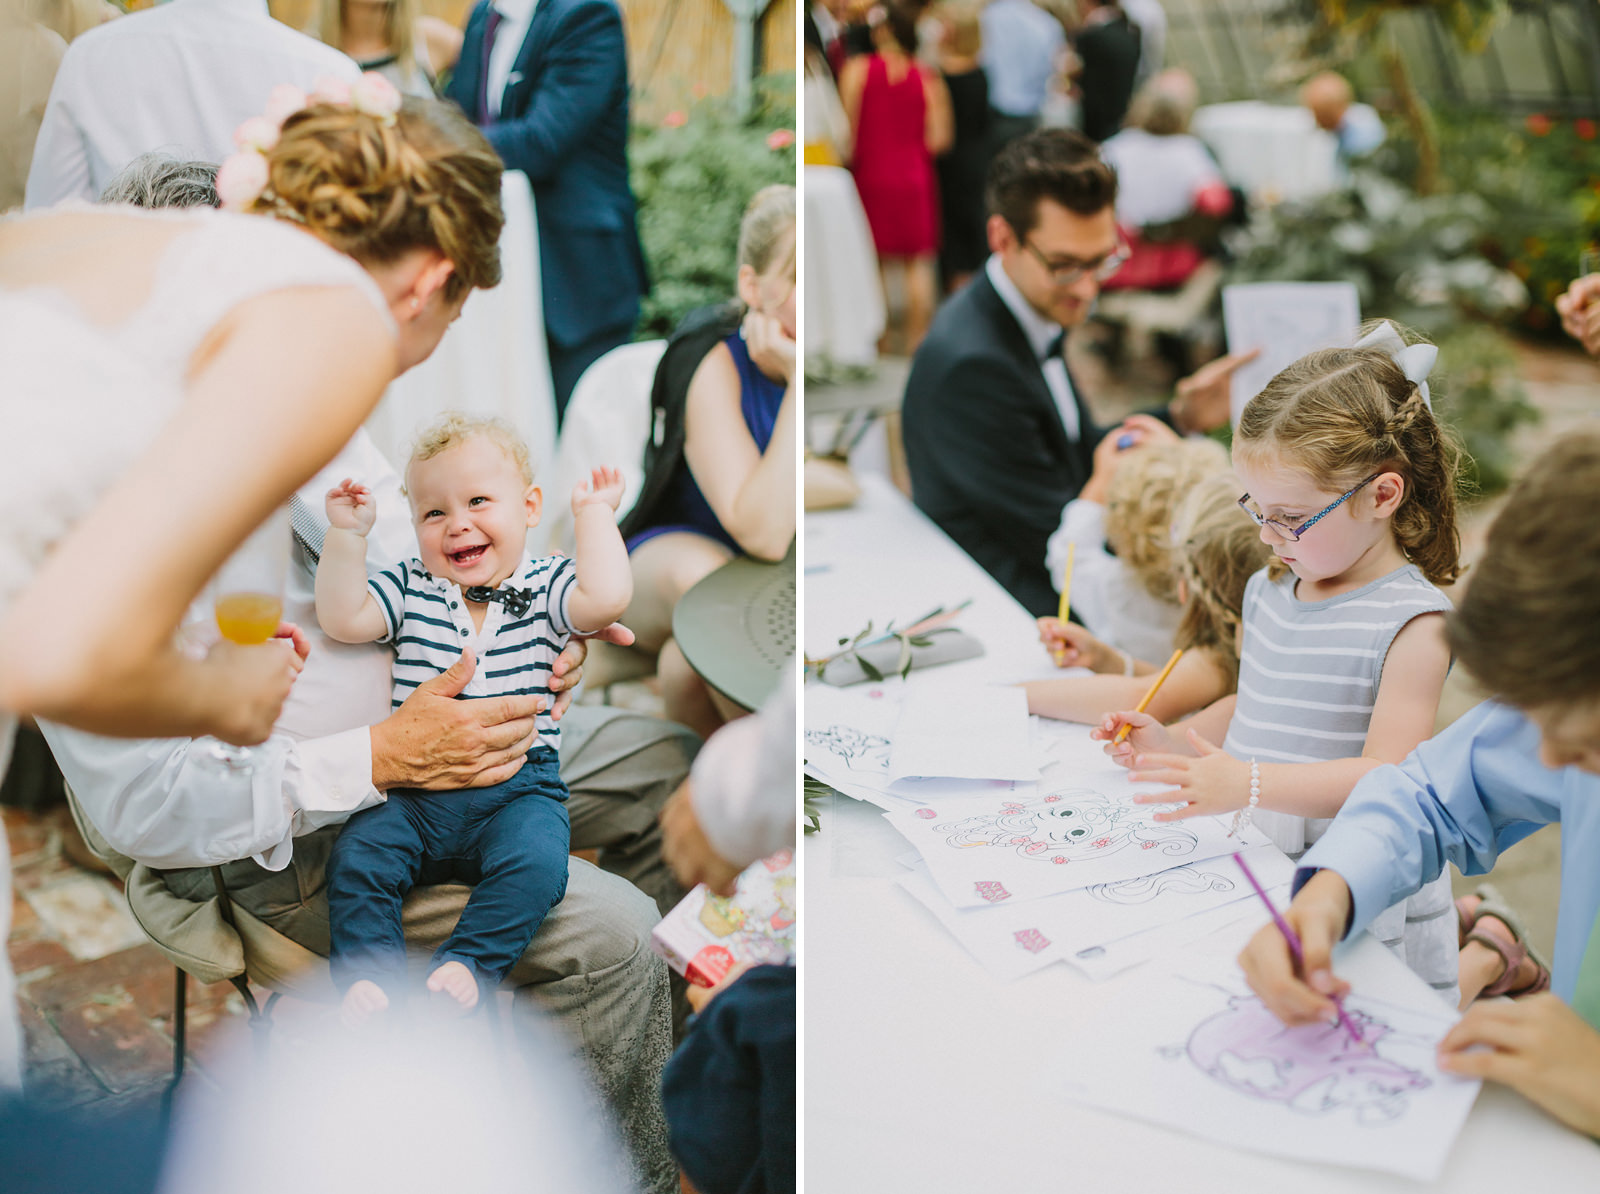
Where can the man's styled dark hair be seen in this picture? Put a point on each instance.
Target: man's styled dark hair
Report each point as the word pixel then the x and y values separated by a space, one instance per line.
pixel 1527 627
pixel 1056 164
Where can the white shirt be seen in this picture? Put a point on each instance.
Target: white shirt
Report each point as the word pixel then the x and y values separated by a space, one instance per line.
pixel 1040 332
pixel 515 17
pixel 1107 594
pixel 742 781
pixel 1158 177
pixel 154 803
pixel 178 78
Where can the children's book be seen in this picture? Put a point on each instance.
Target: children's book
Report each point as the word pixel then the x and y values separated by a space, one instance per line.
pixel 707 935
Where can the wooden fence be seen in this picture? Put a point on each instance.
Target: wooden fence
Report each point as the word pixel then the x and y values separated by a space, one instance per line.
pixel 678 50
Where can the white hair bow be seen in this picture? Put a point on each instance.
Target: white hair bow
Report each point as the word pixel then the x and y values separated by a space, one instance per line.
pixel 1415 360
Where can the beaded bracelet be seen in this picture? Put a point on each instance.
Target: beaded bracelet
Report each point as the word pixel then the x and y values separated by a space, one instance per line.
pixel 1242 817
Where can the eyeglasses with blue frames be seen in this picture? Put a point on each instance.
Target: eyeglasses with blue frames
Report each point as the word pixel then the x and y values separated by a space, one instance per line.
pixel 1068 273
pixel 1284 530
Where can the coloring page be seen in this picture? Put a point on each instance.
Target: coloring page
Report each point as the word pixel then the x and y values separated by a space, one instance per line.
pixel 1195 1050
pixel 988 851
pixel 1285 320
pixel 847 733
pixel 1105 928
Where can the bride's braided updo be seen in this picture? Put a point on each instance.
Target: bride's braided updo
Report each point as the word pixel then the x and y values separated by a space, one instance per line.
pixel 376 187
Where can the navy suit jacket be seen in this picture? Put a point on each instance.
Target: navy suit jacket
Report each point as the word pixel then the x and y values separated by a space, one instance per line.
pixel 990 461
pixel 564 123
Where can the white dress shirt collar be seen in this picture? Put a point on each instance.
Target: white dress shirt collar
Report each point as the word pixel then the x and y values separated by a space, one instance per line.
pixel 1039 330
pixel 1041 334
pixel 515 17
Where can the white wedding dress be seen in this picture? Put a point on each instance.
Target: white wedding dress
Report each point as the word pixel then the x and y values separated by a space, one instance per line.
pixel 81 400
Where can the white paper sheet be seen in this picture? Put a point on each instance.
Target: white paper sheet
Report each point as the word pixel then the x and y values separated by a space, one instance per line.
pixel 964 733
pixel 1285 320
pixel 1194 1049
pixel 1080 831
pixel 1105 929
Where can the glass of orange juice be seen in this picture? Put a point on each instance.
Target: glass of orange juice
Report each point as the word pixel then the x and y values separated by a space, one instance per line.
pixel 247 603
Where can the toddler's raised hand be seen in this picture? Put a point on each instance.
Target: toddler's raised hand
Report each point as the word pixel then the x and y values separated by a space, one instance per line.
pixel 351 507
pixel 604 485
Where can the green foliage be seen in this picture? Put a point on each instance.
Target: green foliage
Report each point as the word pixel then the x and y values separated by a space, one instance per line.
pixel 1416 261
pixel 693 175
pixel 1338 26
pixel 1541 176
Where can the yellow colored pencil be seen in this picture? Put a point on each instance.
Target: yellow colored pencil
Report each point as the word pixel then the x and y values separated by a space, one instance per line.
pixel 1066 594
pixel 1151 695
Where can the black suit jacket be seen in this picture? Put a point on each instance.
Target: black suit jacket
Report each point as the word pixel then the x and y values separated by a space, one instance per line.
pixel 990 460
pixel 564 123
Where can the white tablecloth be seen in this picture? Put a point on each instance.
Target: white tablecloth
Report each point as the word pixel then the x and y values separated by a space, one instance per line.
pixel 493 360
pixel 1270 151
pixel 843 298
pixel 924 1074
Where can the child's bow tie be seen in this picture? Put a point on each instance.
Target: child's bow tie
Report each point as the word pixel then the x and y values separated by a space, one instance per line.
pixel 517 601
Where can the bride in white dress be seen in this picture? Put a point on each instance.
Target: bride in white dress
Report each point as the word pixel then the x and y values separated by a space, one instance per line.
pixel 168 379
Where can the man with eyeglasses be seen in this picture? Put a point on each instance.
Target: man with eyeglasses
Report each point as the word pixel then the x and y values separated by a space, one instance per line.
pixel 997 438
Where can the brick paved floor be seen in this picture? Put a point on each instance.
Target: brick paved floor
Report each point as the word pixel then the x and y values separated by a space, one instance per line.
pixel 96 1001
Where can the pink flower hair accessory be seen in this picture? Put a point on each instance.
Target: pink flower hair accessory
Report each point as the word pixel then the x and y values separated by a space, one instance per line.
pixel 242 178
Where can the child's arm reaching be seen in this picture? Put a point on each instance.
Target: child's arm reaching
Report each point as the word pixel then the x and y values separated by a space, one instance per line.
pixel 1194 683
pixel 345 608
pixel 604 584
pixel 1402 717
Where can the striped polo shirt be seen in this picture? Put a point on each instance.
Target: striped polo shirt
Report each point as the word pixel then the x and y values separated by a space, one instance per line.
pixel 429 624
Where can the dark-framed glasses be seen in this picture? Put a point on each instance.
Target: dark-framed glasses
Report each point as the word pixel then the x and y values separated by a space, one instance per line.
pixel 1293 533
pixel 1066 273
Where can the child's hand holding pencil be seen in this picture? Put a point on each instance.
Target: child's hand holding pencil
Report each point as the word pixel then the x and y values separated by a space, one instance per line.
pixel 1070 645
pixel 1307 991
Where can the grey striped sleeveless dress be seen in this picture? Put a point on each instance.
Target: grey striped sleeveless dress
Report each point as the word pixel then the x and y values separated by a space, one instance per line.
pixel 1308 677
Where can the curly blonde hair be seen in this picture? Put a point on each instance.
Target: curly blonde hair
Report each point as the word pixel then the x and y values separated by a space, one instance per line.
pixel 1343 414
pixel 454 427
pixel 377 190
pixel 1217 549
pixel 1145 493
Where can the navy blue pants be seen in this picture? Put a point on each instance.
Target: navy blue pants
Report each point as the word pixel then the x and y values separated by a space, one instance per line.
pixel 509 841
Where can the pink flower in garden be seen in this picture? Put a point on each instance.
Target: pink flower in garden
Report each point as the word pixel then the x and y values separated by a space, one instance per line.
pixel 699 90
pixel 1539 124
pixel 240 180
pixel 1585 128
pixel 675 119
pixel 780 139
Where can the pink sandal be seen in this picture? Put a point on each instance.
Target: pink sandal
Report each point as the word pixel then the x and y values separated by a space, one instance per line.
pixel 1508 939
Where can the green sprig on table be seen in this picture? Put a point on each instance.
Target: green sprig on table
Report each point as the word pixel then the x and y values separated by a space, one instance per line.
pixel 919 634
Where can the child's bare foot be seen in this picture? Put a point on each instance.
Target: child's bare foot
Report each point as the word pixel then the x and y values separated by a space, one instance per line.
pixel 455 980
pixel 362 1001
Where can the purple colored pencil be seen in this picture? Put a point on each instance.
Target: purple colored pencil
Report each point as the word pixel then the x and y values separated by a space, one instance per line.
pixel 1293 939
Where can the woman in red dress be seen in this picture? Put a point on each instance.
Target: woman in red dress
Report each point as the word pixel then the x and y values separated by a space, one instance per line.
pixel 899 113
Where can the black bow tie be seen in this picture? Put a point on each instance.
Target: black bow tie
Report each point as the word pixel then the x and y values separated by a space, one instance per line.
pixel 1053 349
pixel 517 601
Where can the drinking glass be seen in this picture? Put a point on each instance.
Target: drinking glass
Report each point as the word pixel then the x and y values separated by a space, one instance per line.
pixel 247 603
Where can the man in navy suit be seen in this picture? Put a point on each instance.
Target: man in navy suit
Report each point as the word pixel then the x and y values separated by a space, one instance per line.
pixel 998 439
pixel 547 81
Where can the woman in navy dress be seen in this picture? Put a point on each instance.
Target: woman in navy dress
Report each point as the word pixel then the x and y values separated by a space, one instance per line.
pixel 721 478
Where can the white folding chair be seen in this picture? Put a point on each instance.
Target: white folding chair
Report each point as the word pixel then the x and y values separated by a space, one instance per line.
pixel 607 423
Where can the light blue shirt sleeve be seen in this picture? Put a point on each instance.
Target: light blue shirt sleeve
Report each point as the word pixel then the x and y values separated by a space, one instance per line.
pixel 1461 797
